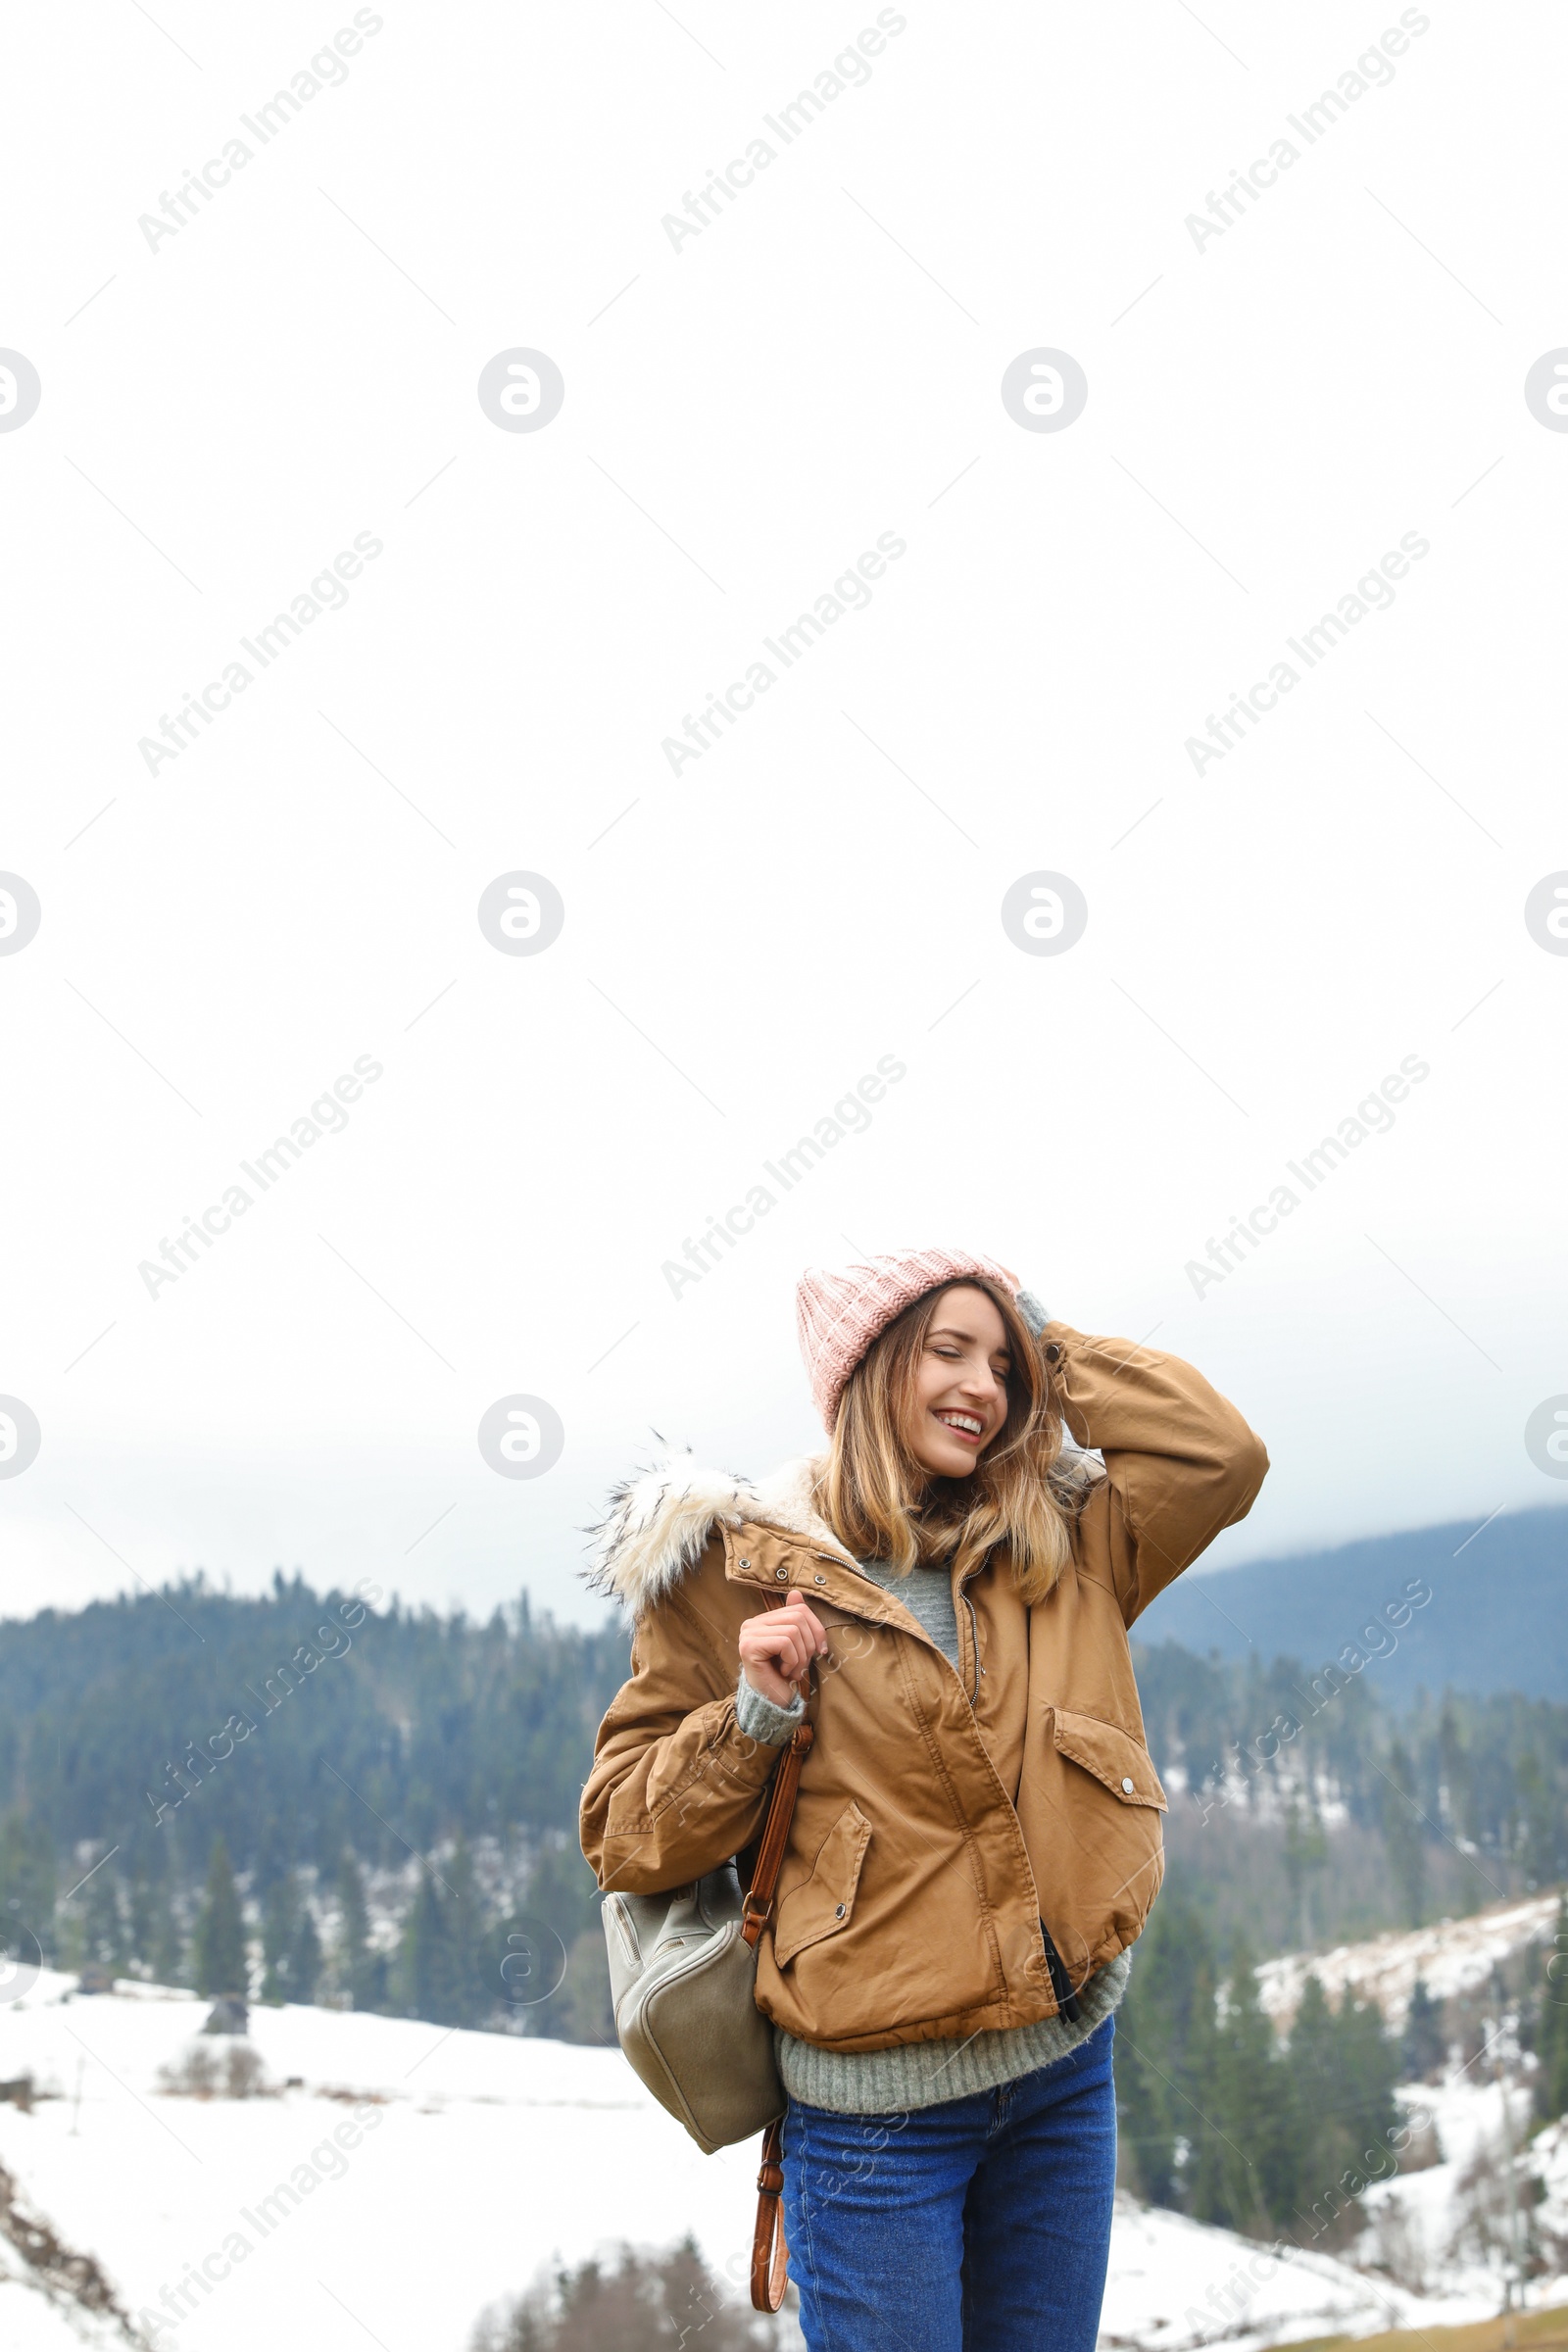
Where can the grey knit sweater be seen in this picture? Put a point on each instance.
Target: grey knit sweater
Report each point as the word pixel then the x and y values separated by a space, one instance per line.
pixel 921 2074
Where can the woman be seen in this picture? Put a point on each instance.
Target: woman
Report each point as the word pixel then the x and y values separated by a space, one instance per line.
pixel 976 1841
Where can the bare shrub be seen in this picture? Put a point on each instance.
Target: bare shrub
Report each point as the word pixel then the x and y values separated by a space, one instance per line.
pixel 633 2302
pixel 1483 2213
pixel 204 2071
pixel 244 2075
pixel 69 2279
pixel 1482 2219
pixel 1399 2248
pixel 1423 2150
pixel 193 2075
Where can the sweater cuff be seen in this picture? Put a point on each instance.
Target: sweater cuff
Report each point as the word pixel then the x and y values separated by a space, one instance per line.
pixel 760 1720
pixel 1033 1313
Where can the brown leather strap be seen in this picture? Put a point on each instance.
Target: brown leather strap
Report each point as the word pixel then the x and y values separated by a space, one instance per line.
pixel 770 2256
pixel 759 1907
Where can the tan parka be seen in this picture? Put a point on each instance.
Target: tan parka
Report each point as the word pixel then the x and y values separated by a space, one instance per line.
pixel 941 1815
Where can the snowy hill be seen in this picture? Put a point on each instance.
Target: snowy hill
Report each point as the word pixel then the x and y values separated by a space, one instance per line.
pixel 396 2178
pixel 1457 1955
pixel 1448 2228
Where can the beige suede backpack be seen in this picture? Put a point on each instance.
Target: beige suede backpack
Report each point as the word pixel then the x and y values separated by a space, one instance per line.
pixel 683 1981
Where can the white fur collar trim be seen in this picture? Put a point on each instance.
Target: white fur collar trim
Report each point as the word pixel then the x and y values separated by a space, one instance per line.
pixel 661 1518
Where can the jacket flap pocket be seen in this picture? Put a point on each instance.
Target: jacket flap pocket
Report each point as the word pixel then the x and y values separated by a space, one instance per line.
pixel 824 1902
pixel 1114 1757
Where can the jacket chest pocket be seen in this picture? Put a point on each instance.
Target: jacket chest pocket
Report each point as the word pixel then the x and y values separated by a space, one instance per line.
pixel 1118 1761
pixel 823 1903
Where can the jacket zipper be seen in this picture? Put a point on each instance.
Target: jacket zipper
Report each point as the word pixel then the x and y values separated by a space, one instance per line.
pixel 1067 2003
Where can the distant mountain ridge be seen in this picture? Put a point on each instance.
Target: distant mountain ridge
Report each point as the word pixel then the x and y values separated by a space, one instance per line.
pixel 1498 1619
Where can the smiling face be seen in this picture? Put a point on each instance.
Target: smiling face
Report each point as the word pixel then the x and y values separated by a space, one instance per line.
pixel 957 1396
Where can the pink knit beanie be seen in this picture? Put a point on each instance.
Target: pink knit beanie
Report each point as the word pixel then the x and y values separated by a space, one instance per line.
pixel 840 1312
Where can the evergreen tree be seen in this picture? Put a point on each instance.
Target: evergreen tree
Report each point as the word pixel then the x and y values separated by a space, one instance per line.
pixel 1306 1850
pixel 1246 2161
pixel 431 1965
pixel 1146 2131
pixel 171 1960
pixel 473 1994
pixel 27 1887
pixel 1172 1984
pixel 1401 1835
pixel 70 1940
pixel 1544 1837
pixel 1313 2060
pixel 1343 2067
pixel 582 2008
pixel 361 1972
pixel 218 1947
pixel 1456 1777
pixel 291 1947
pixel 562 1894
pixel 305 1956
pixel 103 1922
pixel 141 1912
pixel 1551 2035
pixel 444 1966
pixel 1424 2045
pixel 1370 2068
pixel 280 1926
pixel 166 1947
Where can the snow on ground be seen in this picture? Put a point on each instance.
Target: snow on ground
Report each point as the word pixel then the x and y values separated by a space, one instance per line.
pixel 32 2321
pixel 413 2175
pixel 1174 2285
pixel 1424 2227
pixel 468 2161
pixel 38 2316
pixel 1425 2224
pixel 1549 2157
pixel 1454 1956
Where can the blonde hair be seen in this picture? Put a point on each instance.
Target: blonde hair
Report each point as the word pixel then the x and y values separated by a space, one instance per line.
pixel 1023 1494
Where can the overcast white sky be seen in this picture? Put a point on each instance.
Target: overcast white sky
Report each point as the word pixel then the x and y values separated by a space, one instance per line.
pixel 1271 410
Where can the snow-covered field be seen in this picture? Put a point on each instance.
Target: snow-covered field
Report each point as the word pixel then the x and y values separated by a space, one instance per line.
pixel 1175 2284
pixel 403 2176
pixel 424 2172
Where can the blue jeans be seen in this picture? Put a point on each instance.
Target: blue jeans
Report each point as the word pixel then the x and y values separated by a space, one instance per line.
pixel 979 2226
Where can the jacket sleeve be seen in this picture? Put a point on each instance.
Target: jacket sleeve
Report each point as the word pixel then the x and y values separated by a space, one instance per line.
pixel 676 1787
pixel 1180 1461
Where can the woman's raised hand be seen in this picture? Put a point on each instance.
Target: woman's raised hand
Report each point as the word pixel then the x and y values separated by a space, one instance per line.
pixel 777 1646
